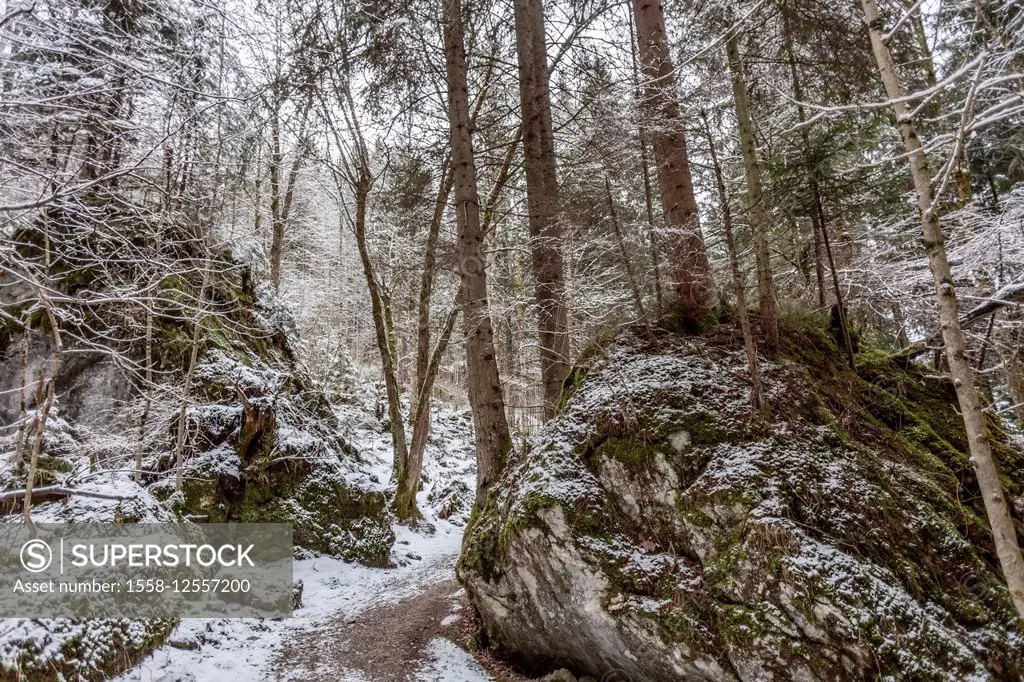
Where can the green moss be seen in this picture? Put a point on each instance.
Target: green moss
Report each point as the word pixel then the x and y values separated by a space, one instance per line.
pixel 482 541
pixel 887 481
pixel 635 454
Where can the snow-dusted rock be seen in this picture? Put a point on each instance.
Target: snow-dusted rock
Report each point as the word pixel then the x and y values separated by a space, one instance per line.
pixel 270 452
pixel 77 651
pixel 653 531
pixel 261 442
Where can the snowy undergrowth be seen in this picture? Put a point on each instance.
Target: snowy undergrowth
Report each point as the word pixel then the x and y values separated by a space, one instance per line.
pixel 449 468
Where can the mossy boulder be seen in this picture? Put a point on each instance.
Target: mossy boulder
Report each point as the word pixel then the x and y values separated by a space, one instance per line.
pixel 77 651
pixel 658 529
pixel 267 451
pixel 260 440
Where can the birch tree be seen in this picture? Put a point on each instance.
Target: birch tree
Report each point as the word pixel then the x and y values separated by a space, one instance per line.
pixel 1004 531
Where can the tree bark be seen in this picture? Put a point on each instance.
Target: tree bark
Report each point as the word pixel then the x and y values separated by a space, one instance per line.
pixel 756 395
pixel 427 279
pixel 691 269
pixel 20 439
pixel 485 395
pixel 405 496
pixel 630 275
pixel 276 224
pixel 756 213
pixel 197 328
pixel 362 183
pixel 542 196
pixel 645 170
pixel 44 403
pixel 148 388
pixel 1003 530
pixel 281 203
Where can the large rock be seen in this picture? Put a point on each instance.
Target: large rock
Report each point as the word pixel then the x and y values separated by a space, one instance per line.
pixel 261 440
pixel 267 450
pixel 654 531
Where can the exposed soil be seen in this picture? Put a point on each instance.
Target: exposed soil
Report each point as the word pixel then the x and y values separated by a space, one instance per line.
pixel 383 644
pixel 464 633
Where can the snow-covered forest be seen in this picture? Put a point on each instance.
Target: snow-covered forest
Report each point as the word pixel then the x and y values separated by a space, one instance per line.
pixel 576 340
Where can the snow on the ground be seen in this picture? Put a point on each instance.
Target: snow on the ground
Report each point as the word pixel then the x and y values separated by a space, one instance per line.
pixel 215 650
pixel 244 649
pixel 219 650
pixel 446 662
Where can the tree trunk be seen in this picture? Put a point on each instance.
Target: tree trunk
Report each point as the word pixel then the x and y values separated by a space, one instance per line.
pixel 902 339
pixel 691 269
pixel 756 395
pixel 485 396
pixel 542 199
pixel 405 495
pixel 20 439
pixel 276 224
pixel 819 268
pixel 281 202
pixel 379 306
pixel 646 173
pixel 197 328
pixel 148 388
pixel 44 402
pixel 756 213
pixel 818 209
pixel 630 275
pixel 1003 529
pixel 427 279
pixel 428 363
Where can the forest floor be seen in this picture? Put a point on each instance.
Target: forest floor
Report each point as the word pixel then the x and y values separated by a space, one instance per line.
pixel 357 624
pixel 383 643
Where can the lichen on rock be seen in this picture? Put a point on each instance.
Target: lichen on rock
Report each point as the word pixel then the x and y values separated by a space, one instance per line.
pixel 656 528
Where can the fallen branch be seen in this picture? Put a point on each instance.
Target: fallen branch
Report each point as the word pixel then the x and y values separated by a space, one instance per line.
pixel 1006 296
pixel 51 492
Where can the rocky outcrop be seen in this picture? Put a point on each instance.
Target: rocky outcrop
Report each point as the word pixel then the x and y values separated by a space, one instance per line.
pixel 655 530
pixel 268 451
pixel 261 441
pixel 85 651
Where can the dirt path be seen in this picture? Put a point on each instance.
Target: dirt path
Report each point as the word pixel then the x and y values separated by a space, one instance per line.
pixel 382 644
